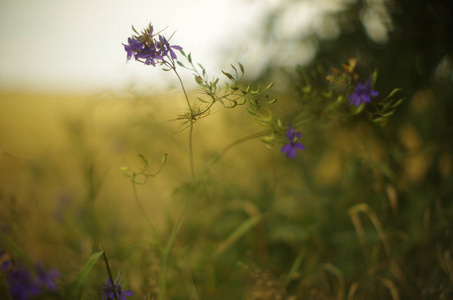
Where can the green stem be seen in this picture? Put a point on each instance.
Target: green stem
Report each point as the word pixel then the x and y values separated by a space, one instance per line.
pixel 110 274
pixel 165 255
pixel 216 158
pixel 192 168
pixel 148 221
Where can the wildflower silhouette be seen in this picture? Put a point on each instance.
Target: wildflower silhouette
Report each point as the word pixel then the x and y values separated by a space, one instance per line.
pixel 362 93
pixel 108 293
pixel 292 146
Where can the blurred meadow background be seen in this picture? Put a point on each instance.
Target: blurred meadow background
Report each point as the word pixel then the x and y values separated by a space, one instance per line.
pixel 95 164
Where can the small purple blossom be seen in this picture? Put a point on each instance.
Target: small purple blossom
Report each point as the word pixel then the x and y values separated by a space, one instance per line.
pixel 165 47
pixel 108 294
pixel 151 48
pixel 21 286
pixel 47 278
pixel 292 146
pixel 362 93
pixel 133 47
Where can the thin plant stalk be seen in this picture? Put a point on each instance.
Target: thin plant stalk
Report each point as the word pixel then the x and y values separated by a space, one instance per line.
pixel 192 168
pixel 165 254
pixel 110 274
pixel 148 221
pixel 235 143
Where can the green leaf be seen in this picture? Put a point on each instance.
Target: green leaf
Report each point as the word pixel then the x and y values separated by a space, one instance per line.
pixel 388 114
pixel 237 234
pixel 189 58
pixel 228 75
pixel 143 159
pixel 269 86
pixel 180 63
pixel 392 93
pixel 202 68
pixel 241 67
pixel 256 91
pixel 397 103
pixel 135 30
pixel 251 111
pixel 359 109
pixel 75 288
pixel 198 80
pixel 163 160
pixel 374 77
pixel 381 121
pixel 273 101
pixel 295 266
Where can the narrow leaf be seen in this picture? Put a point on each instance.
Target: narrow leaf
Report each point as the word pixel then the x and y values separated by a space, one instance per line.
pixel 84 273
pixel 241 67
pixel 237 234
pixel 228 75
pixel 143 159
pixel 397 103
pixel 163 160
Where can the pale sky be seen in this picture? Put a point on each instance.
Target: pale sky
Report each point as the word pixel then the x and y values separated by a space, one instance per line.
pixel 68 45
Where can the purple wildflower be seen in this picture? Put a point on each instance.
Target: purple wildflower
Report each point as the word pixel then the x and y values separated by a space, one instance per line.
pixel 47 278
pixel 133 47
pixel 21 285
pixel 150 54
pixel 362 93
pixel 290 148
pixel 150 49
pixel 108 294
pixel 165 47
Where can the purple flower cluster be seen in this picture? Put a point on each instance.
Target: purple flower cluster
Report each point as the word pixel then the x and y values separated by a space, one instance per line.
pixel 107 292
pixel 362 93
pixel 22 285
pixel 149 49
pixel 292 146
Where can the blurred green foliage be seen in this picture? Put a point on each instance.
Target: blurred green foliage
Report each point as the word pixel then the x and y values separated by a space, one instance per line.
pixel 365 212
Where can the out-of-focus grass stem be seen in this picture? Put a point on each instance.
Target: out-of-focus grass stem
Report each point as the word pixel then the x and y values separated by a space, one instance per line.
pixel 148 221
pixel 222 152
pixel 165 254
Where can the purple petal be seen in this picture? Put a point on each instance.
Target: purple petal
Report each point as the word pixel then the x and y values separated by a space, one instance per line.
pixel 291 153
pixel 286 148
pixel 299 146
